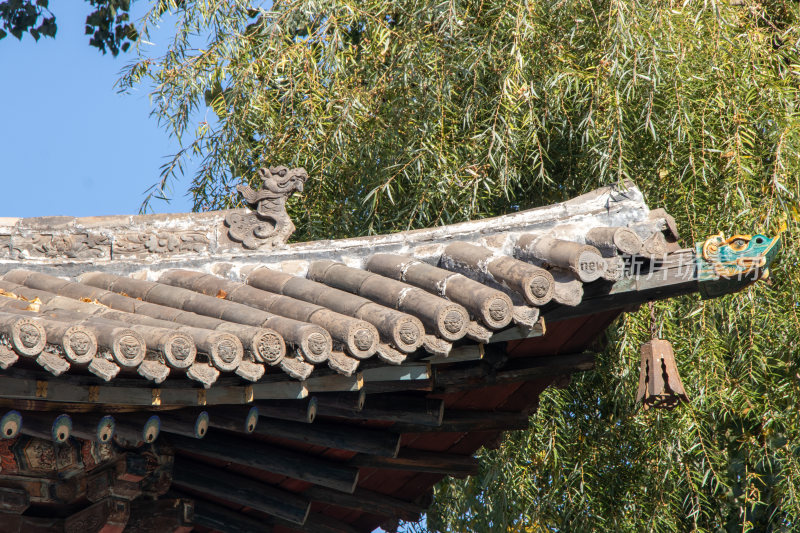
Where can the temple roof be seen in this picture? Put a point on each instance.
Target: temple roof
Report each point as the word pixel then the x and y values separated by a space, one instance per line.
pixel 377 364
pixel 194 304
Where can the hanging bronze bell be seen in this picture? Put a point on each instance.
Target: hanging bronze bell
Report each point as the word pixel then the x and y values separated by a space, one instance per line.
pixel 660 384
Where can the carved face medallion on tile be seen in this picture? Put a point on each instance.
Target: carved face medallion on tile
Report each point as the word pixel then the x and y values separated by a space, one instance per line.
pixel 540 286
pixel 409 333
pixel 317 343
pixel 227 350
pixel 498 310
pixel 28 337
pixel 129 347
pixel 79 343
pixel 181 349
pixel 80 346
pixel 453 321
pixel 363 339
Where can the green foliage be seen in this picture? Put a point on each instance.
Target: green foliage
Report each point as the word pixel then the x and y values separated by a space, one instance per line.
pixel 593 461
pixel 21 16
pixel 416 113
pixel 108 24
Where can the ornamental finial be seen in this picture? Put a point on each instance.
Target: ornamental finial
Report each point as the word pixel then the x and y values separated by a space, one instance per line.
pixel 269 223
pixel 728 264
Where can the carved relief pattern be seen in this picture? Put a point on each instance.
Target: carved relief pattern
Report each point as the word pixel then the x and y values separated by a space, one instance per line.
pixel 95 453
pixel 227 351
pixel 105 514
pixel 66 457
pixel 91 246
pixel 129 346
pixel 162 242
pixel 92 522
pixel 40 455
pixel 269 224
pixel 76 246
pixel 8 463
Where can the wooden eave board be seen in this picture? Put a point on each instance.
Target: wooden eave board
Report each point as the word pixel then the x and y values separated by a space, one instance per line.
pixel 517 397
pixel 578 333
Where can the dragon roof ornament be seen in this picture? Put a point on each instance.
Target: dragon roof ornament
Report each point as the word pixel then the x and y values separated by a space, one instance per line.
pixel 727 265
pixel 269 224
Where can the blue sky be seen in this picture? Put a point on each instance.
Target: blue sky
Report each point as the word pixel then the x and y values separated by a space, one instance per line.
pixel 69 144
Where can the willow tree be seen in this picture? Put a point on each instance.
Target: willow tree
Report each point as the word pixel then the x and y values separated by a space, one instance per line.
pixel 416 113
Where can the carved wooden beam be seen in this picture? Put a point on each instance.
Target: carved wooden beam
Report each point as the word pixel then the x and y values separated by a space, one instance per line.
pixel 106 516
pixel 367 501
pixel 235 488
pixel 26 385
pixel 185 422
pixel 14 523
pixel 320 523
pixel 295 410
pixel 238 419
pixel 255 454
pixel 334 383
pixel 338 436
pixel 341 400
pixel 136 428
pixel 174 515
pixel 10 424
pixel 14 500
pixel 93 427
pixel 395 408
pixel 466 421
pixel 480 375
pixel 408 377
pixel 220 518
pixel 46 425
pixel 516 370
pixel 421 461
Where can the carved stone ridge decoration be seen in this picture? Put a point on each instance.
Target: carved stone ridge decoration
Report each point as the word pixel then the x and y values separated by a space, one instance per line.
pixel 726 265
pixel 70 246
pixel 269 224
pixel 161 242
